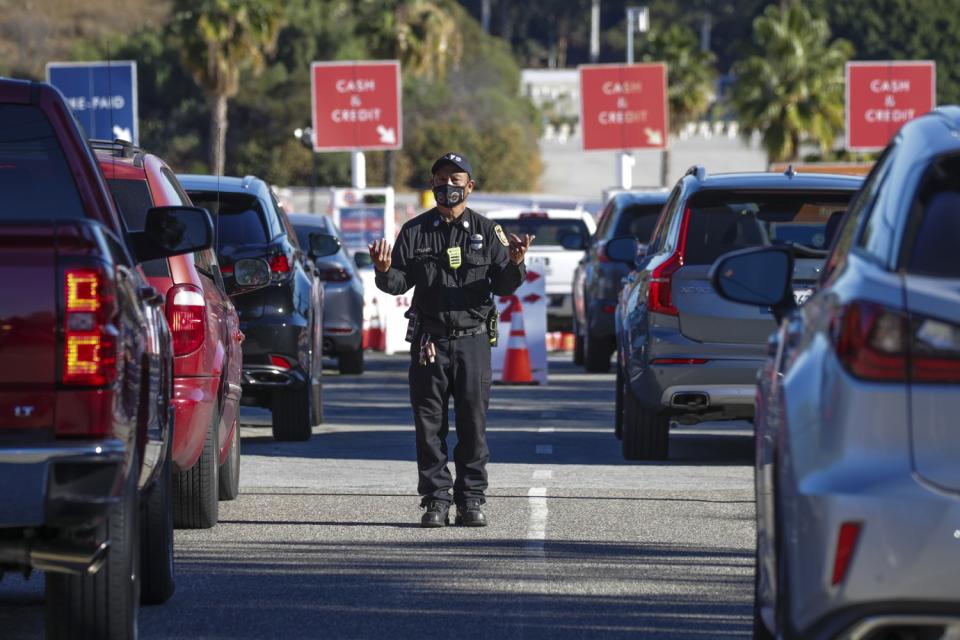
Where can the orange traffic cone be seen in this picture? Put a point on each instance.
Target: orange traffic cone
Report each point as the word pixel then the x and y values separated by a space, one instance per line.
pixel 516 362
pixel 377 338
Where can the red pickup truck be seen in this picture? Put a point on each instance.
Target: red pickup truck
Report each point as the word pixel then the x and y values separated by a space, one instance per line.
pixel 85 377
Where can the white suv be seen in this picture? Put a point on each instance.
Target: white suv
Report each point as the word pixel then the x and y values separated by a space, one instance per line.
pixel 562 236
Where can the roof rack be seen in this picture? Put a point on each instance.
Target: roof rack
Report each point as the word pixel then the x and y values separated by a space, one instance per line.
pixel 698 171
pixel 118 147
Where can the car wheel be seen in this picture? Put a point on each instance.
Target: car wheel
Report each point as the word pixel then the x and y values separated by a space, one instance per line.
pixel 618 406
pixel 156 537
pixel 196 490
pixel 646 434
pixel 292 413
pixel 577 344
pixel 596 355
pixel 230 470
pixel 107 603
pixel 351 362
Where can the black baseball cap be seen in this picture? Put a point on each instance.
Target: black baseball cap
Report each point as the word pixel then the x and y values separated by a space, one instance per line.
pixel 457 160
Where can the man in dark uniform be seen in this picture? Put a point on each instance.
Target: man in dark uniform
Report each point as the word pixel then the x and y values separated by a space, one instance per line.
pixel 457 260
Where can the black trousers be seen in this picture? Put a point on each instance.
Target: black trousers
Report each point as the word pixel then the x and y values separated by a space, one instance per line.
pixel 461 371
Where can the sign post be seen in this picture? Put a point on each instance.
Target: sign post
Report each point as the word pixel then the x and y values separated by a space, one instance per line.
pixel 356 107
pixel 102 96
pixel 622 108
pixel 883 96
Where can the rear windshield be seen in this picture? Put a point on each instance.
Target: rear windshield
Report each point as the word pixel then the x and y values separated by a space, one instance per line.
pixel 242 220
pixel 548 231
pixel 132 198
pixel 933 231
pixel 638 220
pixel 723 222
pixel 35 180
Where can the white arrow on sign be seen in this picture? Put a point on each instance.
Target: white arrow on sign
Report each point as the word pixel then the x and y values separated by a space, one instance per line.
pixel 122 133
pixel 387 136
pixel 654 136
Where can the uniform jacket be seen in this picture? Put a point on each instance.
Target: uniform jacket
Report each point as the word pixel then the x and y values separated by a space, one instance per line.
pixel 457 298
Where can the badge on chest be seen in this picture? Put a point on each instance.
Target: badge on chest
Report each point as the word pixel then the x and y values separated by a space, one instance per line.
pixel 454 257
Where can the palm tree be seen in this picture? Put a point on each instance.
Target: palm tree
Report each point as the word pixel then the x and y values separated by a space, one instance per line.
pixel 690 77
pixel 219 40
pixel 791 89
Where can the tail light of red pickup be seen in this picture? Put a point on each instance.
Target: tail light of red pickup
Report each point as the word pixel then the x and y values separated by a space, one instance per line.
pixel 90 349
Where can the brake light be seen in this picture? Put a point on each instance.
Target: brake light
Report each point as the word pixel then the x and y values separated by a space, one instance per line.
pixel 187 317
pixel 846 542
pixel 226 268
pixel 89 355
pixel 280 361
pixel 659 295
pixel 334 274
pixel 279 263
pixel 884 345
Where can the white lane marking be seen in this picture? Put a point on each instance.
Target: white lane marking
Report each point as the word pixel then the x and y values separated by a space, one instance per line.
pixel 537 528
pixel 544 449
pixel 543 474
pixel 546 430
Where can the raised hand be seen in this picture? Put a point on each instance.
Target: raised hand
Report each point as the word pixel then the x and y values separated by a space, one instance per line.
pixel 381 254
pixel 518 247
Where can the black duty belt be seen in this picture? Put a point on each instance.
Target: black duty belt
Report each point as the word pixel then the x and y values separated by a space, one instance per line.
pixel 439 331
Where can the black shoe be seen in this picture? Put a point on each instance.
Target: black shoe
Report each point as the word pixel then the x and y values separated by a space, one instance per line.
pixel 437 515
pixel 469 514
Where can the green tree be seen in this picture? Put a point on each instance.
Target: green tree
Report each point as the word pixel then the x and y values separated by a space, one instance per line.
pixel 219 39
pixel 791 88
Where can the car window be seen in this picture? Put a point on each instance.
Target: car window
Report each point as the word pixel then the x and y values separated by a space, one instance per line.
pixel 661 230
pixel 725 221
pixel 933 231
pixel 549 231
pixel 606 219
pixel 877 232
pixel 35 179
pixel 638 220
pixel 239 218
pixel 133 200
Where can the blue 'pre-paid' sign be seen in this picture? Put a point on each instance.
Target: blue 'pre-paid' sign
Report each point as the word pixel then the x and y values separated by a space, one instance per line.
pixel 102 95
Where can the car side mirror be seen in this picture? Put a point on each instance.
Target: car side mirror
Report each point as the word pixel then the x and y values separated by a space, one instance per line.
pixel 758 276
pixel 323 245
pixel 172 231
pixel 250 273
pixel 623 249
pixel 362 259
pixel 573 242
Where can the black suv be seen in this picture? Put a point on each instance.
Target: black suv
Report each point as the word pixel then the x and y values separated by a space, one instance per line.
pixel 282 321
pixel 597 280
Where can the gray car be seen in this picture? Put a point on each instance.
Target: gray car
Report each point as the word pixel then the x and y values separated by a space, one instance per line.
pixel 342 293
pixel 684 353
pixel 858 481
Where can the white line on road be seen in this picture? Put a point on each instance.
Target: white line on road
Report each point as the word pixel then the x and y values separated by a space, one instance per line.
pixel 537 529
pixel 544 449
pixel 546 430
pixel 543 474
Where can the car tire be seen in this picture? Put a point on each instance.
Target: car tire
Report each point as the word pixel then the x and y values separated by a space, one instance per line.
pixel 351 362
pixel 292 414
pixel 646 434
pixel 229 474
pixel 596 355
pixel 105 605
pixel 618 406
pixel 196 490
pixel 577 345
pixel 156 537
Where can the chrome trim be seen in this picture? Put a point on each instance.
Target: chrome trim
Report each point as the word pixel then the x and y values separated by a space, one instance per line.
pixel 112 450
pixel 717 394
pixel 865 627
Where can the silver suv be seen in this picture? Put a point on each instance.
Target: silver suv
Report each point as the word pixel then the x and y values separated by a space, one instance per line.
pixel 858 481
pixel 684 353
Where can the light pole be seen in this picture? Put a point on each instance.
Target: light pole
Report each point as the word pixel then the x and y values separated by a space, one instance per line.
pixel 640 17
pixel 305 136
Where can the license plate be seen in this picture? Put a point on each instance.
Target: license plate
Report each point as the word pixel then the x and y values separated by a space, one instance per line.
pixel 802 295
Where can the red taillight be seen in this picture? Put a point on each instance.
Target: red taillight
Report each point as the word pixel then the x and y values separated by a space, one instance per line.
pixel 335 274
pixel 279 263
pixel 679 361
pixel 602 251
pixel 187 317
pixel 659 296
pixel 226 268
pixel 89 346
pixel 280 361
pixel 846 543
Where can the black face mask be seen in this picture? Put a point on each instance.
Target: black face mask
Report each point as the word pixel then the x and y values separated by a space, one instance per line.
pixel 449 195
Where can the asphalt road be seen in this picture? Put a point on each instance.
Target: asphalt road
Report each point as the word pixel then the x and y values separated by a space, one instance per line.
pixel 324 541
